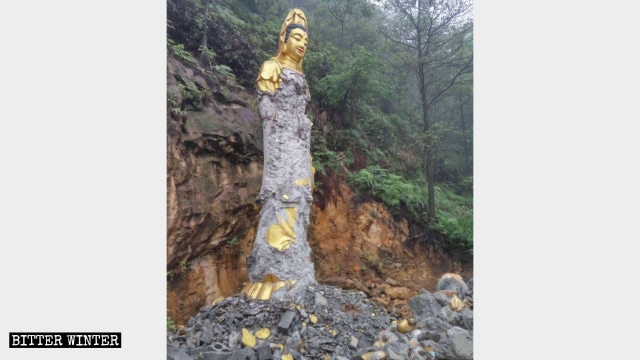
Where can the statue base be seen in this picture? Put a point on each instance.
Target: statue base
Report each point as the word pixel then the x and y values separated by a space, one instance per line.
pixel 273 288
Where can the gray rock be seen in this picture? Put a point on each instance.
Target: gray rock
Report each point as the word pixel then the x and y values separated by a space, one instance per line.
pixel 444 350
pixel 434 323
pixel 417 354
pixel 433 335
pixel 424 306
pixel 177 354
pixel 191 322
pixel 370 354
pixel 442 299
pixel 277 354
pixel 317 341
pixel 397 350
pixel 296 355
pixel 448 315
pixel 286 321
pixel 320 301
pixel 293 340
pixel 238 354
pixel 452 282
pixel 465 319
pixel 250 354
pixel 255 310
pixel 235 337
pixel 206 337
pixel 350 314
pixel 387 336
pixel 461 343
pixel 197 352
pixel 218 352
pixel 214 355
pixel 353 342
pixel 193 340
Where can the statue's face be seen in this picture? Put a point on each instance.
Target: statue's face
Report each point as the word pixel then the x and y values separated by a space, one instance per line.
pixel 296 45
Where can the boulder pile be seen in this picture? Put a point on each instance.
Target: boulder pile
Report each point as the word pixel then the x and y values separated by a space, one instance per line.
pixel 327 322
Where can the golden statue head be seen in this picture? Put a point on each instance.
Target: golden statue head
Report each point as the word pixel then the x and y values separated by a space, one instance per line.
pixel 292 46
pixel 293 40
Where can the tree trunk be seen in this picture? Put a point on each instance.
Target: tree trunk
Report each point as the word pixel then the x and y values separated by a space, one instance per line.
pixel 466 145
pixel 205 29
pixel 428 148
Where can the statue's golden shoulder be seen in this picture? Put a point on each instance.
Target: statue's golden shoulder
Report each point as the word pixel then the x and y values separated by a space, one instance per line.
pixel 269 76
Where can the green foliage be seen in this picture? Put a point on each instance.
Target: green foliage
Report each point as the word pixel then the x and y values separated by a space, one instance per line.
pixel 247 34
pixel 332 151
pixel 393 190
pixel 179 271
pixel 465 186
pixel 209 56
pixel 323 159
pixel 454 217
pixel 224 70
pixel 454 214
pixel 229 30
pixel 185 265
pixel 179 52
pixel 358 92
pixel 171 326
pixel 345 24
pixel 233 242
pixel 173 103
pixel 369 261
pixel 320 61
pixel 191 94
pixel 229 16
pixel 351 85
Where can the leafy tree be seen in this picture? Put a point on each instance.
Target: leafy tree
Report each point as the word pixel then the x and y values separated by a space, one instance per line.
pixel 431 36
pixel 343 19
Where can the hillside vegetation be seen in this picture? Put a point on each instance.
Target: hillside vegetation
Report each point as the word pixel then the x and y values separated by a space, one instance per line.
pixel 391 88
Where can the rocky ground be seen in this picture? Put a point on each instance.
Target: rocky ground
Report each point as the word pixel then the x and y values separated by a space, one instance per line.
pixel 328 322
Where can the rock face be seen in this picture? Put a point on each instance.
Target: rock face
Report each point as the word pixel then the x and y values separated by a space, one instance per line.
pixel 326 323
pixel 214 170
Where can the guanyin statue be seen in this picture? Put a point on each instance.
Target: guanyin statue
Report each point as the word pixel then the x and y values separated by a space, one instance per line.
pixel 280 265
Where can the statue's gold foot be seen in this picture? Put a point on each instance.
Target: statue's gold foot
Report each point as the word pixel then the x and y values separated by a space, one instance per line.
pixel 263 290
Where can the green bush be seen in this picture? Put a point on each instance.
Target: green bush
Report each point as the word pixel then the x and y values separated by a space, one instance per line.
pixel 323 159
pixel 171 326
pixel 181 53
pixel 393 190
pixel 454 213
pixel 454 217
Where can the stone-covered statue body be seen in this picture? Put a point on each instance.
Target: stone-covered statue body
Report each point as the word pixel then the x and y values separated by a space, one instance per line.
pixel 280 264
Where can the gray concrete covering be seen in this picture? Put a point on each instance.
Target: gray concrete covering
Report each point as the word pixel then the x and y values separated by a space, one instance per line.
pixel 281 248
